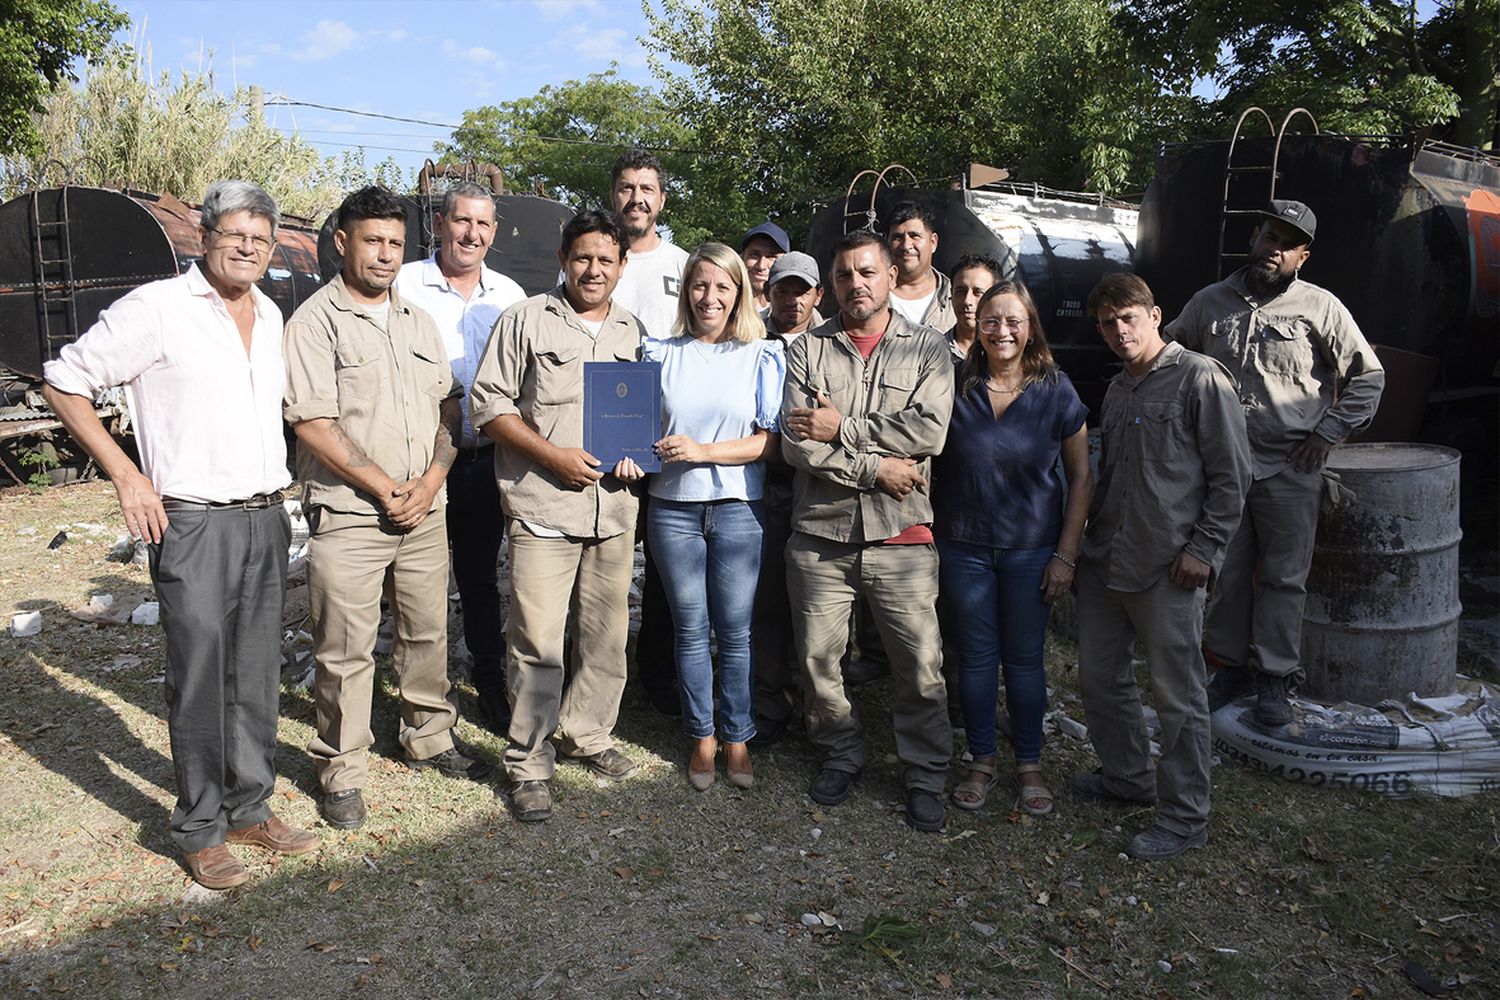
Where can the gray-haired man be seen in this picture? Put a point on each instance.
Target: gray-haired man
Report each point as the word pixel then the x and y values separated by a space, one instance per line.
pixel 200 358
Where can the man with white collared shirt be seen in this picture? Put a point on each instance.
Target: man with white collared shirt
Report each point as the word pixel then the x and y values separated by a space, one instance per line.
pixel 200 358
pixel 465 298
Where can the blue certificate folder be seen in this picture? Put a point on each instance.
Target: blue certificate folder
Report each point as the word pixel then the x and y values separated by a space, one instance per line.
pixel 622 412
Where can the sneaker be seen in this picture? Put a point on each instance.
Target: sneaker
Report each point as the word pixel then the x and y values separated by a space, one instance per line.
pixel 344 810
pixel 1094 785
pixel 831 787
pixel 275 836
pixel 1161 844
pixel 531 801
pixel 609 763
pixel 1272 705
pixel 494 711
pixel 924 810
pixel 1227 684
pixel 215 868
pixel 458 761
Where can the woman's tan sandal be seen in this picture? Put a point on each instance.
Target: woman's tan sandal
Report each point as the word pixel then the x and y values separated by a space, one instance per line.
pixel 1037 793
pixel 970 794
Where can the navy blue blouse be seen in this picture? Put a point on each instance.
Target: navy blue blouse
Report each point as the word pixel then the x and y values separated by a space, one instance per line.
pixel 998 482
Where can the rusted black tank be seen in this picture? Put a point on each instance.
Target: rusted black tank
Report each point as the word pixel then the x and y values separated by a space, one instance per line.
pixel 1408 239
pixel 1059 243
pixel 526 237
pixel 67 253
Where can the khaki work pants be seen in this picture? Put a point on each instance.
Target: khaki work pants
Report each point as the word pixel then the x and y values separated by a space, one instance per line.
pixel 900 582
pixel 559 586
pixel 1255 618
pixel 1168 621
pixel 352 558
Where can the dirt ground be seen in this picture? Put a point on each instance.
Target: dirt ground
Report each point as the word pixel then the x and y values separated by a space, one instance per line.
pixel 647 888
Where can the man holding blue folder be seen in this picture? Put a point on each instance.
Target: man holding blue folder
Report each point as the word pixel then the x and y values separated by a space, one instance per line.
pixel 571 524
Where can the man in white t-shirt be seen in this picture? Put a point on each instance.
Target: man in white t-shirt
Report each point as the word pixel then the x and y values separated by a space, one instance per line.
pixel 649 287
pixel 652 278
pixel 465 298
pixel 923 294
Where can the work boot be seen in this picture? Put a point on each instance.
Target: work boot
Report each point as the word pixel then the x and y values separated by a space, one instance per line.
pixel 1227 684
pixel 1160 844
pixel 1272 706
pixel 458 761
pixel 344 810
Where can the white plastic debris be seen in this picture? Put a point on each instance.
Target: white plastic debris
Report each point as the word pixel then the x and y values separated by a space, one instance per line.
pixel 147 613
pixel 25 623
pixel 101 602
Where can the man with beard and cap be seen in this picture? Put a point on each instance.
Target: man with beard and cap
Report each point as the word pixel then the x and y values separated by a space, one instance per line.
pixel 648 288
pixel 1307 379
pixel 759 249
pixel 923 294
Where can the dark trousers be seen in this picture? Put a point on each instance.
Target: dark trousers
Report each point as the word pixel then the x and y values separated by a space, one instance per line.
pixel 476 527
pixel 777 694
pixel 655 656
pixel 220 576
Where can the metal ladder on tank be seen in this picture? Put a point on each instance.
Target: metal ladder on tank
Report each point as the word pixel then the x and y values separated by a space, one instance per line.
pixel 1233 171
pixel 53 271
pixel 868 216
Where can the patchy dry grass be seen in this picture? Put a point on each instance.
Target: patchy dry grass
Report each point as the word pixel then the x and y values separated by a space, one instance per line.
pixel 646 888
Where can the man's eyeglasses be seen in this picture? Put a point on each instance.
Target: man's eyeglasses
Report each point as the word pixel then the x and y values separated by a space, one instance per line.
pixel 992 325
pixel 260 244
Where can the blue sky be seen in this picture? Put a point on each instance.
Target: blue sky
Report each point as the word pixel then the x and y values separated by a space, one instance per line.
pixel 429 60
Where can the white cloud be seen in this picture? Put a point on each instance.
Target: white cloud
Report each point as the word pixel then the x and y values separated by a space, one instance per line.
pixel 556 10
pixel 325 40
pixel 476 54
pixel 601 46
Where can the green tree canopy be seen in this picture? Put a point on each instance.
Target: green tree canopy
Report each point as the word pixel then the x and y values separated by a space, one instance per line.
pixel 39 39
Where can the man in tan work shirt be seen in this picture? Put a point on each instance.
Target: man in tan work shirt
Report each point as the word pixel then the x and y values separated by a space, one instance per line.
pixel 572 525
pixel 1307 379
pixel 375 406
pixel 868 397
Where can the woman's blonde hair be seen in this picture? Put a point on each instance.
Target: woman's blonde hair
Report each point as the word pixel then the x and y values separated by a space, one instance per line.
pixel 744 323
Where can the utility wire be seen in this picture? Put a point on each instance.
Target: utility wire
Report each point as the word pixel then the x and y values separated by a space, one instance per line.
pixel 563 140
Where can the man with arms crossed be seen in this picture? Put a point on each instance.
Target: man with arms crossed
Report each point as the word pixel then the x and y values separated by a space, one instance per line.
pixel 1307 379
pixel 374 404
pixel 1174 465
pixel 200 358
pixel 465 298
pixel 868 396
pixel 572 525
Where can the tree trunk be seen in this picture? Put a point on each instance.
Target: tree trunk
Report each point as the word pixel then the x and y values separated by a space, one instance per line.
pixel 1479 93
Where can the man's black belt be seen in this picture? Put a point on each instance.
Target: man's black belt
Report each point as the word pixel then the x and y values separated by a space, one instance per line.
pixel 258 502
pixel 475 453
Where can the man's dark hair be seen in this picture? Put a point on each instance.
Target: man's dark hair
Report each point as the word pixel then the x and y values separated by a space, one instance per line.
pixel 373 202
pixel 908 210
pixel 593 221
pixel 1120 290
pixel 863 238
pixel 636 159
pixel 978 261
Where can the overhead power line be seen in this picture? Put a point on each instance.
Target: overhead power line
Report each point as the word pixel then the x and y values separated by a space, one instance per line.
pixel 563 140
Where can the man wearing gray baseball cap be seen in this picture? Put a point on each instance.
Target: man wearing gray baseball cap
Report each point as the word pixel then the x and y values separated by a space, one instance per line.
pixel 1308 380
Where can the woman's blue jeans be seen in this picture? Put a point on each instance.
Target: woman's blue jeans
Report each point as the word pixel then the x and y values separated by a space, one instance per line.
pixel 996 603
pixel 709 558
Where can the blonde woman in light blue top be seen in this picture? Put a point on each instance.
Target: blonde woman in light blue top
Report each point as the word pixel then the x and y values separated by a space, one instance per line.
pixel 721 392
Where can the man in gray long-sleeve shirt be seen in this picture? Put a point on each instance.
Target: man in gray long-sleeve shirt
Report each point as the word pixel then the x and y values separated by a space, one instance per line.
pixel 1307 380
pixel 1173 469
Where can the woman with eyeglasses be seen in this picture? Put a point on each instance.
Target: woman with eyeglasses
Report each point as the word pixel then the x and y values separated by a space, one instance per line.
pixel 1008 531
